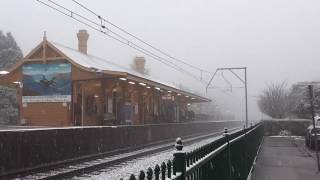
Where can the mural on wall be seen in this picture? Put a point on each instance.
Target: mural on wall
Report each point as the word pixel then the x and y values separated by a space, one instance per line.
pixel 46 82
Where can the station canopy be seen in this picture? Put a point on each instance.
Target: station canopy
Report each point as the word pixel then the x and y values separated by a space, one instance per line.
pixel 100 65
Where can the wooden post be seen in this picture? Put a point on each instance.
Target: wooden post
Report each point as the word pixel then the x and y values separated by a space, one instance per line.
pixel 44 47
pixel 82 104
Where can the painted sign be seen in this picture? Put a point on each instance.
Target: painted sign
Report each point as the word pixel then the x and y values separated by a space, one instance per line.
pixel 167 97
pixel 46 82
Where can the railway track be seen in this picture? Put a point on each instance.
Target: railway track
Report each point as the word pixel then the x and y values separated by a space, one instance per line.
pixel 92 165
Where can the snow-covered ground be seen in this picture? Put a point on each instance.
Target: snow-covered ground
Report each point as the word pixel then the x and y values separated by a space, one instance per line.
pixel 125 169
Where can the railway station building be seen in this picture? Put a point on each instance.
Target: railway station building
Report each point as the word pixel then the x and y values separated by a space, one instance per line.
pixel 60 86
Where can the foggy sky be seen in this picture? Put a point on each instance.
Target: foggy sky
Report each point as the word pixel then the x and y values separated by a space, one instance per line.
pixel 276 39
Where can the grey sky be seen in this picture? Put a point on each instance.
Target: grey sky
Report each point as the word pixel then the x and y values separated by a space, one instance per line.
pixel 276 39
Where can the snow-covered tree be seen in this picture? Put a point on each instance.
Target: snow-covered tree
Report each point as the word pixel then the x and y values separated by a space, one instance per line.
pixel 275 101
pixel 8 106
pixel 301 95
pixel 10 53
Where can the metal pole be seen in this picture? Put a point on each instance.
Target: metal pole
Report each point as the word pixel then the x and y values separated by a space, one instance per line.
pixel 211 80
pixel 310 87
pixel 245 83
pixel 226 135
pixel 246 94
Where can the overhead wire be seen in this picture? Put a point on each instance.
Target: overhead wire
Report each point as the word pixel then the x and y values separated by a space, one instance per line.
pixel 224 78
pixel 139 39
pixel 120 38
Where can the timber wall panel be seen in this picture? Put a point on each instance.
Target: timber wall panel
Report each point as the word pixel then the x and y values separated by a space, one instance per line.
pixel 47 114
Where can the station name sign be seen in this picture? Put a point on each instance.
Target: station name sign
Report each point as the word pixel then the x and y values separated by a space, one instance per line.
pixel 167 98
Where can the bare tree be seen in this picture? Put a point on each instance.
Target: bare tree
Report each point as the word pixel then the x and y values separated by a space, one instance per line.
pixel 275 101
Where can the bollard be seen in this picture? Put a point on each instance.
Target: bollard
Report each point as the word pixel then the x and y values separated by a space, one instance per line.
pixel 179 164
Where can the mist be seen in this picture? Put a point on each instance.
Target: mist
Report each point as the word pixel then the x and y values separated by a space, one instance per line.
pixel 276 40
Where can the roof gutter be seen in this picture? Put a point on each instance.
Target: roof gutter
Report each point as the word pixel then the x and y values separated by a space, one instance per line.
pixel 168 88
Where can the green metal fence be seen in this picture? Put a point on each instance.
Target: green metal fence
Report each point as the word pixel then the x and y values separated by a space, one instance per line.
pixel 229 157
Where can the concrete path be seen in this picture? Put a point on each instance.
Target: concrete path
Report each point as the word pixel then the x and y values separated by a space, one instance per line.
pixel 285 158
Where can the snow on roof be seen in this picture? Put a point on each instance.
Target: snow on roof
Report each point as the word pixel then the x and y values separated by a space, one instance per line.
pixel 94 62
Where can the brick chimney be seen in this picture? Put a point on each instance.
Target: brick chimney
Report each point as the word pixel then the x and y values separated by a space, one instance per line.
pixel 139 64
pixel 83 37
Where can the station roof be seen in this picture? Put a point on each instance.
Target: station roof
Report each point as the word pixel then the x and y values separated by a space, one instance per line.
pixel 102 65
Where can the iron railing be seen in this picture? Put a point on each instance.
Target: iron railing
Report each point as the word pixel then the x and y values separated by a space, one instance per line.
pixel 229 157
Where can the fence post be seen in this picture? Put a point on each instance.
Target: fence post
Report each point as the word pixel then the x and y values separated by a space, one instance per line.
pixel 163 171
pixel 157 172
pixel 132 177
pixel 149 174
pixel 245 151
pixel 226 135
pixel 179 164
pixel 169 164
pixel 142 175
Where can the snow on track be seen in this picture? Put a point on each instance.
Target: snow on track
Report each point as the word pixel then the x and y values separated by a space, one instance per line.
pixel 125 169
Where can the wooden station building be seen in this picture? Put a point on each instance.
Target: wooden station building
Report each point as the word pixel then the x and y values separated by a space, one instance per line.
pixel 61 86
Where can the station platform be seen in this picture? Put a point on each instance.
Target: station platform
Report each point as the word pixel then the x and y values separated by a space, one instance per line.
pixel 285 158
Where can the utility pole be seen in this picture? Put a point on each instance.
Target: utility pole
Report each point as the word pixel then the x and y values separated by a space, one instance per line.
pixel 310 87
